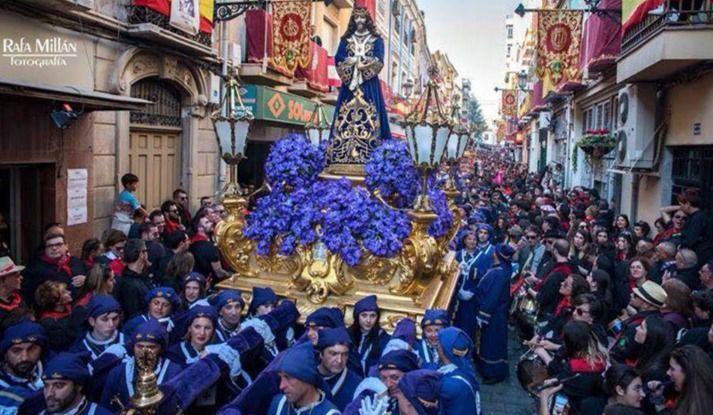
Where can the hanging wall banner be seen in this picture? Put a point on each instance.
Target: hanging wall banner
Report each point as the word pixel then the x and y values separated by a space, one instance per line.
pixel 291 36
pixel 559 37
pixel 509 103
pixel 185 15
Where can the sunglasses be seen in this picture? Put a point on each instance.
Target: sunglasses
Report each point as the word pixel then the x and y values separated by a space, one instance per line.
pixel 532 237
pixel 580 312
pixel 682 217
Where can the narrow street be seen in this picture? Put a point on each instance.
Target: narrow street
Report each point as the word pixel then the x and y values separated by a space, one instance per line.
pixel 507 398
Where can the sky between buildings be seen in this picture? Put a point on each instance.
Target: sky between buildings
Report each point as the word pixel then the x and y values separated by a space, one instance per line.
pixel 472 33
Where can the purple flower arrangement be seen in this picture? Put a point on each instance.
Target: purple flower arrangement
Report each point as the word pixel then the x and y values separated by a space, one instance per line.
pixel 294 162
pixel 302 209
pixel 391 171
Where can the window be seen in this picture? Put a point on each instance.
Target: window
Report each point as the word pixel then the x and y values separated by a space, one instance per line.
pixel 509 52
pixel 693 169
pixel 509 30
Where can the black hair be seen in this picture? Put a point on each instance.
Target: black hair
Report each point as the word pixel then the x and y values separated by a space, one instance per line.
pixel 618 375
pixel 128 179
pixel 174 239
pixel 352 27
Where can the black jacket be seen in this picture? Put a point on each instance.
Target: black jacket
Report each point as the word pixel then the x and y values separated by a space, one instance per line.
pixel 130 291
pixel 40 271
pixel 696 235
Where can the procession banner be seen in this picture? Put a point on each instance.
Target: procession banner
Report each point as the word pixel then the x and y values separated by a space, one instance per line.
pixel 185 15
pixel 559 39
pixel 634 11
pixel 291 36
pixel 509 103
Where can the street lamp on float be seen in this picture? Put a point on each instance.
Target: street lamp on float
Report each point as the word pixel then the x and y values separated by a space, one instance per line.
pixel 317 129
pixel 232 122
pixel 427 132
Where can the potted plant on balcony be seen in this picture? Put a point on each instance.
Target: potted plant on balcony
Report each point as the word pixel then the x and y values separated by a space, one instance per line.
pixel 595 144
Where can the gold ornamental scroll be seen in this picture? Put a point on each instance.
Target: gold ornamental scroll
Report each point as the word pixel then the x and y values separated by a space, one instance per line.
pixel 291 36
pixel 423 275
pixel 559 40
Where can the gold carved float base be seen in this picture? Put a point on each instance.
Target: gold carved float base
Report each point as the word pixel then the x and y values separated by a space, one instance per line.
pixel 423 275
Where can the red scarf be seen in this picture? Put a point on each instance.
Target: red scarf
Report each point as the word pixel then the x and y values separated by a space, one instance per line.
pixel 62 263
pixel 565 302
pixel 579 365
pixel 171 226
pixel 199 237
pixel 561 267
pixel 56 315
pixel 15 301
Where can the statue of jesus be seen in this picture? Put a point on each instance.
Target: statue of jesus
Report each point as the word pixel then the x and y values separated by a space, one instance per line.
pixel 360 121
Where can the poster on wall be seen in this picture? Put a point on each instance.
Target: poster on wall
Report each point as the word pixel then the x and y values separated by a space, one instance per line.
pixel 185 15
pixel 76 196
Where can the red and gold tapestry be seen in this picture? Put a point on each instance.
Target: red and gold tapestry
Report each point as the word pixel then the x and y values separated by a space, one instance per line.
pixel 291 36
pixel 559 39
pixel 508 106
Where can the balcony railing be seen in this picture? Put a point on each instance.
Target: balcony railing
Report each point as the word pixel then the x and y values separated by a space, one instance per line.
pixel 144 14
pixel 673 13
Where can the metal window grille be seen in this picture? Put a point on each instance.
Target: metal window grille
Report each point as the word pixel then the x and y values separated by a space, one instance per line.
pixel 166 107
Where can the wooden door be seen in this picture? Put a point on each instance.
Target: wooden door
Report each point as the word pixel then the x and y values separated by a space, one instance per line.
pixel 155 157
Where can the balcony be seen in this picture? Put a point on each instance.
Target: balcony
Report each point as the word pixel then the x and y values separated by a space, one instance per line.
pixel 151 21
pixel 666 40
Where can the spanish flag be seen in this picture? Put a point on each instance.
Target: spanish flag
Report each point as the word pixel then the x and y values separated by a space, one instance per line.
pixel 634 11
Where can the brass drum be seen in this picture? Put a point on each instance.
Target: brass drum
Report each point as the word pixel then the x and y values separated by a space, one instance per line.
pixel 531 372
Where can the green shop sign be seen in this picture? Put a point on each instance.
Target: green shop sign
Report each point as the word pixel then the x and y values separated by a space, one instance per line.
pixel 272 105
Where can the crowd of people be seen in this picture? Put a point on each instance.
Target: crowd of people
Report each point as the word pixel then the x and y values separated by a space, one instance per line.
pixel 614 317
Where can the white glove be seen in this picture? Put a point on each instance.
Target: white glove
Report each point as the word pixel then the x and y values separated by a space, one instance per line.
pixel 261 328
pixel 117 349
pixel 375 406
pixel 481 322
pixel 227 354
pixel 370 384
pixel 202 302
pixel 465 295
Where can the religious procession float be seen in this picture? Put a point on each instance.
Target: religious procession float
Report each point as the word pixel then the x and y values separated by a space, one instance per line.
pixel 346 210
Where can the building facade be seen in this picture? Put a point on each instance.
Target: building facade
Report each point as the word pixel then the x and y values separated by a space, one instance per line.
pixel 649 86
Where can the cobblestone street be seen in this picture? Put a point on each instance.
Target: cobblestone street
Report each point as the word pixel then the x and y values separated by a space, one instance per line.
pixel 507 398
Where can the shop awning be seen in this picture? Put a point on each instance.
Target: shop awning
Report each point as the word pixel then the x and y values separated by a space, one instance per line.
pixel 92 100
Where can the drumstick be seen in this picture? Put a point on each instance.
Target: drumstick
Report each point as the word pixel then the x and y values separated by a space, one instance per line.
pixel 541 387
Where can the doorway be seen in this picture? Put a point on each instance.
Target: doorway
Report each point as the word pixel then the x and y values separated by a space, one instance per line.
pixel 155 142
pixel 27 203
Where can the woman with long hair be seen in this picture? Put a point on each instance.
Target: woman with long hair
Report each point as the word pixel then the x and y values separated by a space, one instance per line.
pixel 579 249
pixel 678 308
pixel 100 281
pixel 368 337
pixel 674 224
pixel 691 371
pixel 178 267
pixel 91 249
pixel 114 244
pixel 583 356
pixel 654 341
pixel 599 285
pixel 621 224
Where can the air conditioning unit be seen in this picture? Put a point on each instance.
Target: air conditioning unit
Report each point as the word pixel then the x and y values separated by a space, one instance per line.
pixel 636 118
